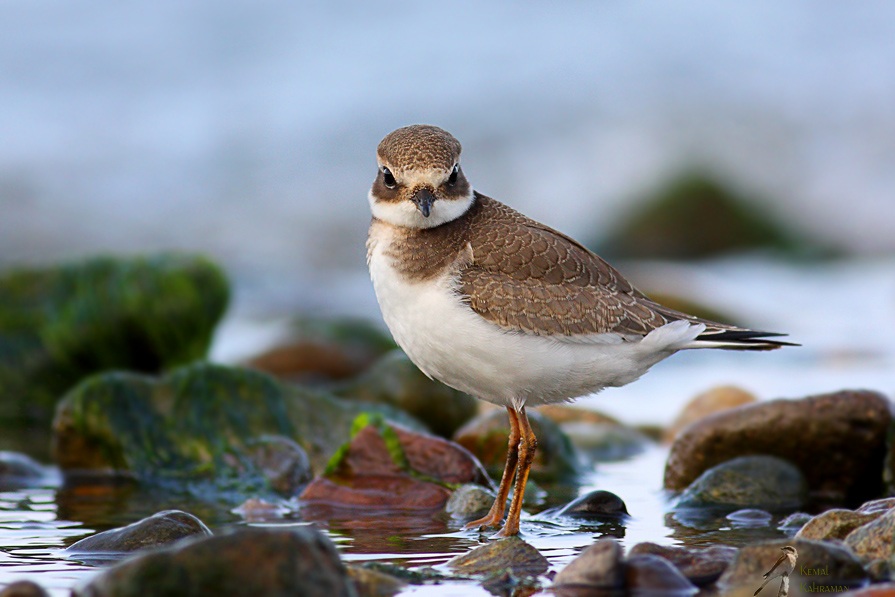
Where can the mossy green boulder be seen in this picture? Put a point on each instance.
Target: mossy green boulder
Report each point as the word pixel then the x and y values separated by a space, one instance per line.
pixel 61 324
pixel 198 427
pixel 697 215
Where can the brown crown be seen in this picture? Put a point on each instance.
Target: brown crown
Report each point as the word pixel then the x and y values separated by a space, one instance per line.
pixel 419 147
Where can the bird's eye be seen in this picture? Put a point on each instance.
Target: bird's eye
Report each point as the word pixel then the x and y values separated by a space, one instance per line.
pixel 388 178
pixel 452 179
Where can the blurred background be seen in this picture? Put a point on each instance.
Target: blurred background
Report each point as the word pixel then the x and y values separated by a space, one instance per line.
pixel 247 131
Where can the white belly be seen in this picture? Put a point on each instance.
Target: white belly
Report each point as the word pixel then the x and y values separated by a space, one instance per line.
pixel 451 343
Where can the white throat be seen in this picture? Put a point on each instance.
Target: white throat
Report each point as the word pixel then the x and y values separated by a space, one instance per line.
pixel 406 214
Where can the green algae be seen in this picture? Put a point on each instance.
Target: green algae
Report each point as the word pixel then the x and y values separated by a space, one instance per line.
pixel 196 427
pixel 61 324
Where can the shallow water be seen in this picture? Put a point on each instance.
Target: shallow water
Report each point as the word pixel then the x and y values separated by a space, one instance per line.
pixel 843 314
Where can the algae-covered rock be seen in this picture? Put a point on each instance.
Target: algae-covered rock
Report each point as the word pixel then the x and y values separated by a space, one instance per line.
pixel 486 436
pixel 199 424
pixel 386 466
pixel 697 215
pixel 249 561
pixel 394 380
pixel 61 324
pixel 511 554
pixel 325 350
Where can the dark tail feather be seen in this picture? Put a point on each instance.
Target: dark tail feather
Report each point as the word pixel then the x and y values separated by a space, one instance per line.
pixel 739 340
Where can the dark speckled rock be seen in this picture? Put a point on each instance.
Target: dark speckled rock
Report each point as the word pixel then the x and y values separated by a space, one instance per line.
pixel 511 554
pixel 874 540
pixel 751 481
pixel 701 567
pixel 834 524
pixel 596 505
pixel 837 440
pixel 159 529
pixel 249 561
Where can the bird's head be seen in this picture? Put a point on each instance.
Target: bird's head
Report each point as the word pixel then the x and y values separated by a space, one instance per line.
pixel 789 550
pixel 419 183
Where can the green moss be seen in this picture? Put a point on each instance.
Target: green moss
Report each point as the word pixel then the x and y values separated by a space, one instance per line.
pixel 58 325
pixel 697 215
pixel 196 426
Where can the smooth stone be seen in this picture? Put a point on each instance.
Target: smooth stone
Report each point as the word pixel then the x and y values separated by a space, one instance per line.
pixel 486 437
pixel 23 588
pixel 598 567
pixel 19 470
pixel 839 565
pixel 748 482
pixel 374 583
pixel 837 440
pixel 708 403
pixel 162 528
pixel 654 575
pixel 394 380
pixel 794 521
pixel 283 463
pixel 511 554
pixel 324 349
pixel 598 505
pixel 203 428
pixel 386 466
pixel 470 501
pixel 875 539
pixel 834 524
pixel 249 561
pixel 701 567
pixel 64 323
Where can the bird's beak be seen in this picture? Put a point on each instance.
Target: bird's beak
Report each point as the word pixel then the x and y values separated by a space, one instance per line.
pixel 423 199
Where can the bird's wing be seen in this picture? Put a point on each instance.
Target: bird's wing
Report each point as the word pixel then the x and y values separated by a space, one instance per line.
pixel 526 277
pixel 777 563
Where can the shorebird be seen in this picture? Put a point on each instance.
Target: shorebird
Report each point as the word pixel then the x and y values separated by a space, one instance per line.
pixel 504 308
pixel 787 563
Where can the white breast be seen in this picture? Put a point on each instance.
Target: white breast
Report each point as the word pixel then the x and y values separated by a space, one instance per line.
pixel 450 342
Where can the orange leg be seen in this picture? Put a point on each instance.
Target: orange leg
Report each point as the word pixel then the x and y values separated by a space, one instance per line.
pixel 528 445
pixel 495 515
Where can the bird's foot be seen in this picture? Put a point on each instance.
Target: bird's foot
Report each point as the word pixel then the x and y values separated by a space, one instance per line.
pixel 489 521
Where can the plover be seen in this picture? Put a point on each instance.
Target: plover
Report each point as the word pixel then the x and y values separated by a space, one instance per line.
pixel 504 308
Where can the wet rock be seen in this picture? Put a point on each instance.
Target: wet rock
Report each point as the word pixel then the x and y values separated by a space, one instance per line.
pixel 202 427
pixel 395 381
pixel 874 506
pixel 701 567
pixel 61 324
pixel 249 561
pixel 875 539
pixel 283 463
pixel 386 466
pixel 20 470
pixel 159 529
pixel 698 215
pixel 486 437
pixel 598 437
pixel 511 554
pixel 24 588
pixel 836 440
pixel 750 518
pixel 469 502
pixel 708 403
pixel 373 583
pixel 324 350
pixel 651 575
pixel 834 524
pixel 751 481
pixel 820 565
pixel 597 568
pixel 597 505
pixel 794 522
